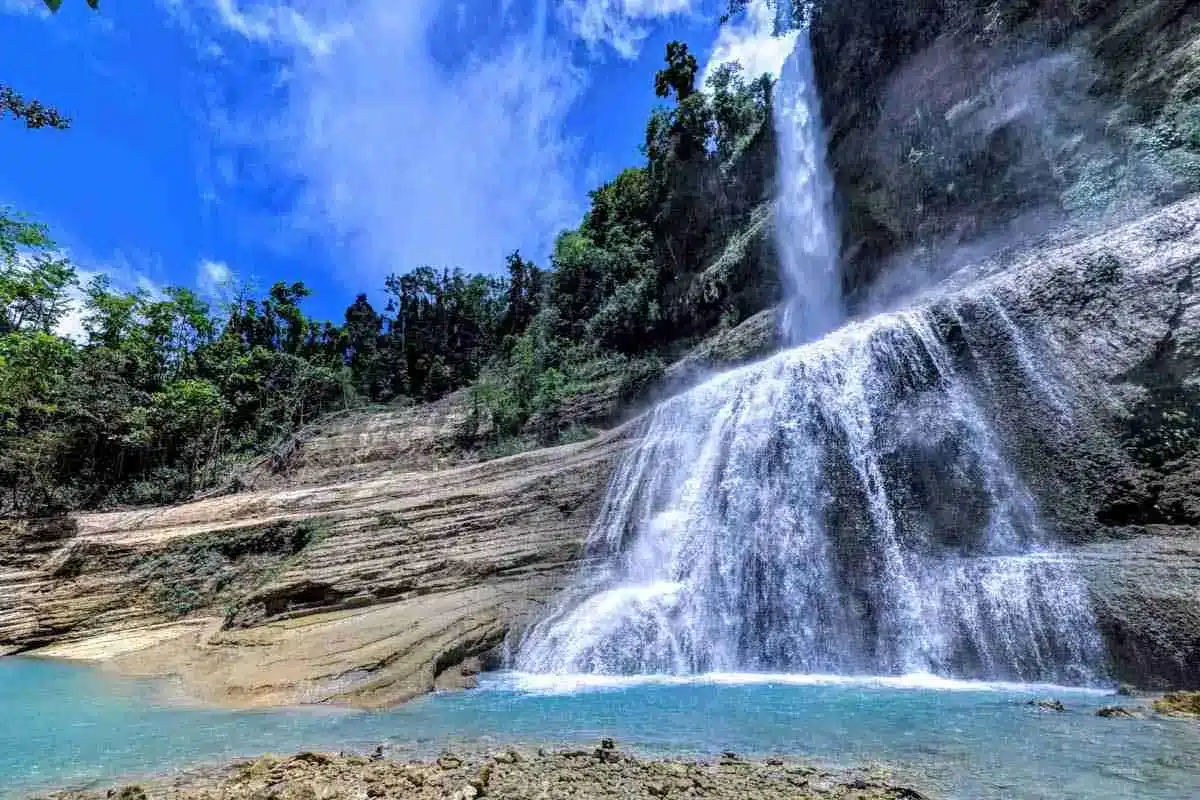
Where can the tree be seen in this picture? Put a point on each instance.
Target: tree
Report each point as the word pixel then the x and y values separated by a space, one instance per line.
pixel 363 334
pixel 679 75
pixel 34 278
pixel 525 285
pixel 162 397
pixel 32 112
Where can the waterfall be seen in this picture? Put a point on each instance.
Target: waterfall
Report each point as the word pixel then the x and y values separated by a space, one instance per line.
pixel 843 507
pixel 806 236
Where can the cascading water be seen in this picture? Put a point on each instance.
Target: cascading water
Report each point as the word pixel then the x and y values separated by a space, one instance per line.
pixel 843 507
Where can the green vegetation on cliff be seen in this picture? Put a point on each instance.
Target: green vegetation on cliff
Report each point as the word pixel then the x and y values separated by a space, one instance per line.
pixel 158 395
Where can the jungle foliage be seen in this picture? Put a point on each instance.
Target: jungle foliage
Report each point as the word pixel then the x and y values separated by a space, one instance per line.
pixel 109 396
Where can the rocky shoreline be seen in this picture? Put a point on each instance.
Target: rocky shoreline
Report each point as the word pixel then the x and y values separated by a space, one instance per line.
pixel 603 772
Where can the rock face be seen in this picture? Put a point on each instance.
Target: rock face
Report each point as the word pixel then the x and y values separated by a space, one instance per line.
pixel 1090 357
pixel 369 560
pixel 1186 704
pixel 957 122
pixel 963 129
pixel 361 591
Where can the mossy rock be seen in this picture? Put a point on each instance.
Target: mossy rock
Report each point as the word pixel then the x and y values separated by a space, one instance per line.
pixel 1179 704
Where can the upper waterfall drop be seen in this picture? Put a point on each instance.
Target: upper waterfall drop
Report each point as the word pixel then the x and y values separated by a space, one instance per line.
pixel 806 233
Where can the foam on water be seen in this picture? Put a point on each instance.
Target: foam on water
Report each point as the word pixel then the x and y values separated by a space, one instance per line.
pixel 536 683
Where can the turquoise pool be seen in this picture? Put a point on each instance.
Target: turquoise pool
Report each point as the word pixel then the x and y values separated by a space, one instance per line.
pixel 66 724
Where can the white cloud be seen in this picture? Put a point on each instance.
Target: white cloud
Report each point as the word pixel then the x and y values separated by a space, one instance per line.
pixel 214 279
pixel 122 276
pixel 71 324
pixel 620 24
pixel 399 134
pixel 276 23
pixel 390 153
pixel 416 164
pixel 750 42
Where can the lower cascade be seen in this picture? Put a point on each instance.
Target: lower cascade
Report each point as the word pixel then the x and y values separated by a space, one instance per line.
pixel 842 508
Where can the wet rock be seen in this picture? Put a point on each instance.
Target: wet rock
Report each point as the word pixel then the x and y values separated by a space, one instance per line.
pixel 296 790
pixel 1114 711
pixel 608 744
pixel 507 757
pixel 606 755
pixel 657 789
pixel 548 776
pixel 313 758
pixel 1048 705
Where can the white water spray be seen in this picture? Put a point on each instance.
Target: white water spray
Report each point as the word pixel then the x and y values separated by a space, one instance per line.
pixel 841 508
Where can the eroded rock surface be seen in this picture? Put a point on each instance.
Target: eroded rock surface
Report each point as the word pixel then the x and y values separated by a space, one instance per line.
pixel 362 592
pixel 973 122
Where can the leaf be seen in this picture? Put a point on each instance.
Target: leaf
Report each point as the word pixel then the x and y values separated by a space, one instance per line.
pixel 54 5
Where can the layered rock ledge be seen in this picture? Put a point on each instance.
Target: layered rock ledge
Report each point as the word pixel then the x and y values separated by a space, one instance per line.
pixel 361 592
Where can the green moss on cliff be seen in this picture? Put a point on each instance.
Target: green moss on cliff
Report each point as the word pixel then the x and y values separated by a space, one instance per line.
pixel 205 571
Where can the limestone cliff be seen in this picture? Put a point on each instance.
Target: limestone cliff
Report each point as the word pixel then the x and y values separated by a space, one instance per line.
pixel 963 131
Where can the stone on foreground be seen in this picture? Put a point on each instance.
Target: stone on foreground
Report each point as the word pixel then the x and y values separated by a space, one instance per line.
pixel 579 774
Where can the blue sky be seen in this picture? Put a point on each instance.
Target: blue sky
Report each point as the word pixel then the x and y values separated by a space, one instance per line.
pixel 334 141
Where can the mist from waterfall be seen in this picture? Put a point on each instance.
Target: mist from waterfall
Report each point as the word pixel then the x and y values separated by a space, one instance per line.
pixel 844 507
